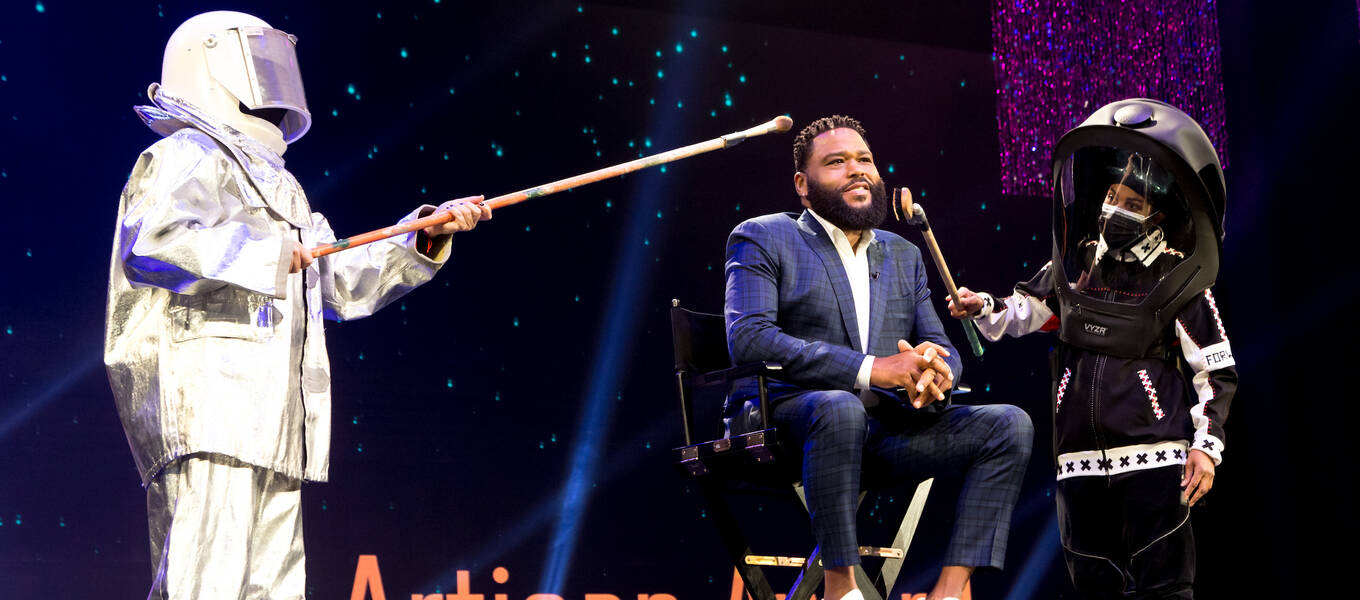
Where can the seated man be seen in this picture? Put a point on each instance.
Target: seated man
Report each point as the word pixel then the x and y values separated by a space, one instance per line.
pixel 835 301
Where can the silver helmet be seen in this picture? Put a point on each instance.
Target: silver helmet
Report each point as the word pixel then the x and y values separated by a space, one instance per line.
pixel 241 72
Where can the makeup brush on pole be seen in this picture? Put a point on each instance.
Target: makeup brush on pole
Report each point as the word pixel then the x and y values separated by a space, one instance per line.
pixel 908 212
pixel 777 124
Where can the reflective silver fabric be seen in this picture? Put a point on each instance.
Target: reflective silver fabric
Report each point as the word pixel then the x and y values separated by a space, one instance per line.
pixel 210 344
pixel 223 529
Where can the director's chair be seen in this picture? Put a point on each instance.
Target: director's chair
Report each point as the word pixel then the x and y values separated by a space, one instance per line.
pixel 755 462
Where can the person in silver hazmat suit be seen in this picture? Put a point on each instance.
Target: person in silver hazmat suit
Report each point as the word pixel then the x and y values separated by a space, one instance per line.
pixel 214 342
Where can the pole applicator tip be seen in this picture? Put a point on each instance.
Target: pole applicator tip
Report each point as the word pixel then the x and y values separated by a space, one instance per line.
pixel 902 205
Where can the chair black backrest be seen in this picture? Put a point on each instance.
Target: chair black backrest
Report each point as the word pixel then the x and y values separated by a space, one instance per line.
pixel 699 340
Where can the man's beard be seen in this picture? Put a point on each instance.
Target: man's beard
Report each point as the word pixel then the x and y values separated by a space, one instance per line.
pixel 829 204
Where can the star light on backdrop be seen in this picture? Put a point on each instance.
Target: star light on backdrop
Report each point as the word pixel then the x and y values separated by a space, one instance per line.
pixel 529 526
pixel 631 279
pixel 28 407
pixel 1057 61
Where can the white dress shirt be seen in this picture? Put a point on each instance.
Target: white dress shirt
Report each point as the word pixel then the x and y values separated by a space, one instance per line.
pixel 856 262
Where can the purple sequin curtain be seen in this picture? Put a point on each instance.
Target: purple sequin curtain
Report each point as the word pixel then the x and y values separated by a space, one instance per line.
pixel 1057 61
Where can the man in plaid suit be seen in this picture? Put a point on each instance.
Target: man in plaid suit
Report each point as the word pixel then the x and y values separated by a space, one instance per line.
pixel 845 309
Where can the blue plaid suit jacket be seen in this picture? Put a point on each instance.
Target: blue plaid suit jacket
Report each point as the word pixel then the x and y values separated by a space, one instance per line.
pixel 788 301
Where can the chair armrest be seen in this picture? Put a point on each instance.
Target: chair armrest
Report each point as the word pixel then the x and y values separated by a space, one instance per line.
pixel 768 369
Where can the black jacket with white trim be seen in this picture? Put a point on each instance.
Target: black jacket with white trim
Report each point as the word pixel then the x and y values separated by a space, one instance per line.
pixel 1115 415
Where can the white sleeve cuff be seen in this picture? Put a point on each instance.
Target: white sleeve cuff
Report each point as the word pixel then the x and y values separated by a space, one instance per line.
pixel 988 302
pixel 865 369
pixel 1210 445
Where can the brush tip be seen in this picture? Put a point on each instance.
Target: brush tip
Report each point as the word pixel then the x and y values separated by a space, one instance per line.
pixel 902 206
pixel 782 123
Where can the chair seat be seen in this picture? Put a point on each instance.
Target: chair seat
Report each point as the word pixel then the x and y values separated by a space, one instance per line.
pixel 732 455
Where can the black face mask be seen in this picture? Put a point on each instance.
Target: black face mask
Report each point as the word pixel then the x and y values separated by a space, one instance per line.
pixel 1121 228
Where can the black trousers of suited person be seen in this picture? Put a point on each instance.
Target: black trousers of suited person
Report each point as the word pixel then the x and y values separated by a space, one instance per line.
pixel 1127 536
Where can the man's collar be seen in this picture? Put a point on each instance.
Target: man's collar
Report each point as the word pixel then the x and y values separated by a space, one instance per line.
pixel 866 237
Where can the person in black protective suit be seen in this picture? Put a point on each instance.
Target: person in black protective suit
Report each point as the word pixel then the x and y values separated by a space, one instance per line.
pixel 1144 372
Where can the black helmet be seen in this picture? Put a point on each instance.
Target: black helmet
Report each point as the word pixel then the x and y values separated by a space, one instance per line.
pixel 1138 201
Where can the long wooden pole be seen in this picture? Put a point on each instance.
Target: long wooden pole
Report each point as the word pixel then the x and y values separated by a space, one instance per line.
pixel 905 210
pixel 777 124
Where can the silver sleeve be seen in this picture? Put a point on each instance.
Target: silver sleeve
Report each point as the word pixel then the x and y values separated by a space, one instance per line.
pixel 357 282
pixel 186 231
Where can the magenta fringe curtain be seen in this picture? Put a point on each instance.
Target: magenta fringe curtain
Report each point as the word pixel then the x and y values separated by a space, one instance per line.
pixel 1057 61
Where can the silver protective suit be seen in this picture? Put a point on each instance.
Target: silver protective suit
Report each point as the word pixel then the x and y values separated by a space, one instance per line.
pixel 211 345
pixel 223 529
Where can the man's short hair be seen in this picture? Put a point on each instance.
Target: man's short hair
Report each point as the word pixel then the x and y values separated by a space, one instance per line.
pixel 803 142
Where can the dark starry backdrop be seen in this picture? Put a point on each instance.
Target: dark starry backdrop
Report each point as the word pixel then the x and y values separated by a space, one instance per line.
pixel 537 363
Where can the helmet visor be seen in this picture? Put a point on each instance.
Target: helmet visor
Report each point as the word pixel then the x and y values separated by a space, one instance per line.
pixel 275 80
pixel 1121 223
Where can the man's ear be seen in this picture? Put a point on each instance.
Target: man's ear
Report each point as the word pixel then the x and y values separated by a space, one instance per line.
pixel 800 187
